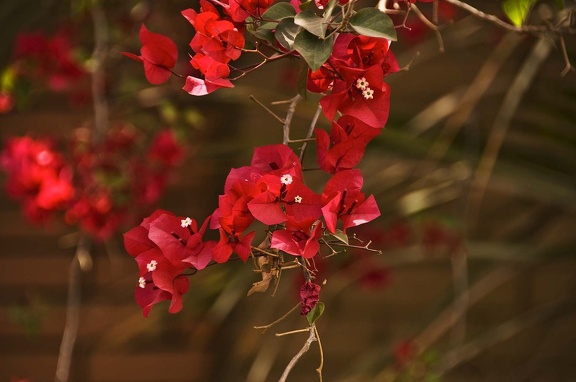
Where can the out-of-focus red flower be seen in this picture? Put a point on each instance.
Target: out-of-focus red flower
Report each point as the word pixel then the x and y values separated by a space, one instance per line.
pixel 6 102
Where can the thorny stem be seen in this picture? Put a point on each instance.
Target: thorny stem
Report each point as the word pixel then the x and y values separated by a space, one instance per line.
pixel 311 338
pixel 292 332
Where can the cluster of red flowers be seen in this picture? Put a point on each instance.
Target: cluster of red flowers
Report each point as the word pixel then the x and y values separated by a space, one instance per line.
pixel 97 185
pixel 43 59
pixel 272 191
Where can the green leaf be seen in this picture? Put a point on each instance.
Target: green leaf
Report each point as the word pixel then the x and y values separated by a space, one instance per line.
pixel 560 4
pixel 279 11
pixel 286 33
pixel 517 10
pixel 311 22
pixel 373 23
pixel 302 80
pixel 340 235
pixel 315 313
pixel 313 49
pixel 327 15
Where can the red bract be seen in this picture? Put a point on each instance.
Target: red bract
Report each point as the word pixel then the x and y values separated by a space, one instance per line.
pixel 309 296
pixel 158 54
pixel 342 199
pixel 345 146
pixel 300 238
pixel 216 43
pixel 353 74
pixel 164 246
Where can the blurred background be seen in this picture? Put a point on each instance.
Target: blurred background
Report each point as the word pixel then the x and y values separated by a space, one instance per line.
pixel 474 175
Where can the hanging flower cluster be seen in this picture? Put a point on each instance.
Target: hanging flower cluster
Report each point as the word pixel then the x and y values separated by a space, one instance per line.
pixel 347 57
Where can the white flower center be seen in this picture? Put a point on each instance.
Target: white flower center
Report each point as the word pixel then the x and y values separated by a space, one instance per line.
pixel 142 282
pixel 368 93
pixel 286 179
pixel 361 83
pixel 151 266
pixel 298 199
pixel 186 222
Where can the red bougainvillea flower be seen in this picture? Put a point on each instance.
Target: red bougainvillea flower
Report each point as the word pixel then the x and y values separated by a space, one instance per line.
pixel 345 146
pixel 342 199
pixel 215 44
pixel 164 246
pixel 158 54
pixel 354 75
pixel 309 296
pixel 300 238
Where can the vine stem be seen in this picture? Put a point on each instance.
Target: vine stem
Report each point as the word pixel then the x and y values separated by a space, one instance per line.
pixel 288 120
pixel 311 338
pixel 81 257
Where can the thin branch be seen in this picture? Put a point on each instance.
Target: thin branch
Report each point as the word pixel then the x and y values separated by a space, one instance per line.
pixel 296 358
pixel 252 98
pixel 288 120
pixel 72 312
pixel 569 67
pixel 321 366
pixel 310 132
pixel 430 25
pixel 266 327
pixel 503 24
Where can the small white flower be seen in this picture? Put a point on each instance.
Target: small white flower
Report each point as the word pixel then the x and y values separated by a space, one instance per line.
pixel 368 93
pixel 362 83
pixel 286 179
pixel 151 266
pixel 298 199
pixel 142 282
pixel 186 222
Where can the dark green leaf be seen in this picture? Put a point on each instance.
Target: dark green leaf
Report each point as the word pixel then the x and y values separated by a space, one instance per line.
pixel 286 33
pixel 373 23
pixel 302 80
pixel 279 11
pixel 311 22
pixel 315 313
pixel 517 10
pixel 313 49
